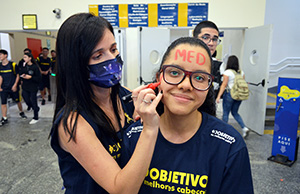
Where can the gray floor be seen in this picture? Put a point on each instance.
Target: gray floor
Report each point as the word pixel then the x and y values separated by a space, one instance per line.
pixel 28 164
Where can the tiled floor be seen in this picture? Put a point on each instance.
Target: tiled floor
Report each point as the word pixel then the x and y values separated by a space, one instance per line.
pixel 28 164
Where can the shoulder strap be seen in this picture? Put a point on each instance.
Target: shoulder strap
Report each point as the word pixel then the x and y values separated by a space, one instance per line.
pixel 14 67
pixel 234 72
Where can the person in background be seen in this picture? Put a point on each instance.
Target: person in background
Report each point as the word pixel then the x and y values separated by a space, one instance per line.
pixel 208 32
pixel 229 104
pixel 53 61
pixel 31 77
pixel 44 63
pixel 21 65
pixel 90 114
pixel 9 79
pixel 195 152
pixel 22 62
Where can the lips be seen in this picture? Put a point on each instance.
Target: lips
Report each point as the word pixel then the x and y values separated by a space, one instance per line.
pixel 182 97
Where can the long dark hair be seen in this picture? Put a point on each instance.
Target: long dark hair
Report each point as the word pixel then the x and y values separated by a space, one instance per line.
pixel 33 61
pixel 76 39
pixel 209 105
pixel 233 63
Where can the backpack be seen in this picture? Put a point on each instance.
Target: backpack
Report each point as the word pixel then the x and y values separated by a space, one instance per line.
pixel 239 90
pixel 14 67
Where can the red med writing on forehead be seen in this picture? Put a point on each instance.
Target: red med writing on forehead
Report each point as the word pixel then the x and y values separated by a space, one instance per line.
pixel 190 56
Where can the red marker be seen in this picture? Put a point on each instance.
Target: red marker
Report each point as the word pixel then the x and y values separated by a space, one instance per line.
pixel 153 85
pixel 128 97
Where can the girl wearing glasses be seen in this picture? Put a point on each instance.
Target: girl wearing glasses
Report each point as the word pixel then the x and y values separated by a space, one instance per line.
pixel 195 152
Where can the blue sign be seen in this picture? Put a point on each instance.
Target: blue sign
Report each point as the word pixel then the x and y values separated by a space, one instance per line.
pixel 167 14
pixel 137 15
pixel 111 13
pixel 197 12
pixel 286 117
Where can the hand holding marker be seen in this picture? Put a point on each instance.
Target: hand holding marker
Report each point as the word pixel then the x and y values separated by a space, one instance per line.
pixel 128 98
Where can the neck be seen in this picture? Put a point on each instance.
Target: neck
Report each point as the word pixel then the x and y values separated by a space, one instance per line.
pixel 179 129
pixel 29 63
pixel 103 100
pixel 102 95
pixel 5 62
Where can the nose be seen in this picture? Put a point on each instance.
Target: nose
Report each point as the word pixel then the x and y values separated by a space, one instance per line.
pixel 110 55
pixel 186 84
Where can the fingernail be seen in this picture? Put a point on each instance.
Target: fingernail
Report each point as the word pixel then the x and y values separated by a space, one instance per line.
pixel 137 118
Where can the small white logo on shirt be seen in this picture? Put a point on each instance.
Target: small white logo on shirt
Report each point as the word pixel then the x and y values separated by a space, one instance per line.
pixel 224 136
pixel 137 129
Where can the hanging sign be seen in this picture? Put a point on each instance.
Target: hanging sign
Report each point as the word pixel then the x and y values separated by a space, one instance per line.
pixel 152 15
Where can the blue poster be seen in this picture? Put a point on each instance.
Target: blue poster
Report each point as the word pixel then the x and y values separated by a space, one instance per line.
pixel 167 14
pixel 197 12
pixel 286 117
pixel 137 15
pixel 111 13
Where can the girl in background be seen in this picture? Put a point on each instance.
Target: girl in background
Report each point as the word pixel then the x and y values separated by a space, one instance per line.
pixel 229 104
pixel 30 76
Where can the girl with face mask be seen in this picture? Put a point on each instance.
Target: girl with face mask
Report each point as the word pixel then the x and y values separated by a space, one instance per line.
pixel 89 113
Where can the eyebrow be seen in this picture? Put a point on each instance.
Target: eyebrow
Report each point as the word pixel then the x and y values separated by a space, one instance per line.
pixel 101 49
pixel 187 70
pixel 209 35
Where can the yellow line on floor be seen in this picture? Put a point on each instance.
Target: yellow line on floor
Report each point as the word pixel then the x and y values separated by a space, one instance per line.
pixel 271 103
pixel 271 131
pixel 272 95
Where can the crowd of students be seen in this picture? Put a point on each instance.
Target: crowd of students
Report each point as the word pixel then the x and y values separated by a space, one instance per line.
pixel 24 80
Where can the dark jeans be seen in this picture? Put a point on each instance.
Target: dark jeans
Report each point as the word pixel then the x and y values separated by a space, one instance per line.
pixel 231 105
pixel 31 100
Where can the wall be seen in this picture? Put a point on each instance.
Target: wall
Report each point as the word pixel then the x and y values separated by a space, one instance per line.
pixel 229 13
pixel 284 15
pixel 18 41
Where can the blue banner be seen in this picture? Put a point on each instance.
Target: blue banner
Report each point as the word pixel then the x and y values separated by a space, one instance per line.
pixel 111 13
pixel 286 117
pixel 197 12
pixel 167 14
pixel 137 15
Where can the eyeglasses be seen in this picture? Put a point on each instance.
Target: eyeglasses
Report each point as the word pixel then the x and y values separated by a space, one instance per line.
pixel 207 40
pixel 175 75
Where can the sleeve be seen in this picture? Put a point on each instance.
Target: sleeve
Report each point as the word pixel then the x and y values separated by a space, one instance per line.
pixel 129 140
pixel 227 72
pixel 38 61
pixel 237 177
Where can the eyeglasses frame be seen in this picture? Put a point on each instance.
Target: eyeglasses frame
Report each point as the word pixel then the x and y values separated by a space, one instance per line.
pixel 210 39
pixel 189 73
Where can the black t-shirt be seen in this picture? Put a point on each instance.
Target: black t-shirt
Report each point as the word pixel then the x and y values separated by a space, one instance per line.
pixel 217 76
pixel 31 84
pixel 214 161
pixel 45 64
pixel 8 73
pixel 75 177
pixel 53 62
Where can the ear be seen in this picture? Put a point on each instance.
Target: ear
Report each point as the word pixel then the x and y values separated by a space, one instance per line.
pixel 158 76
